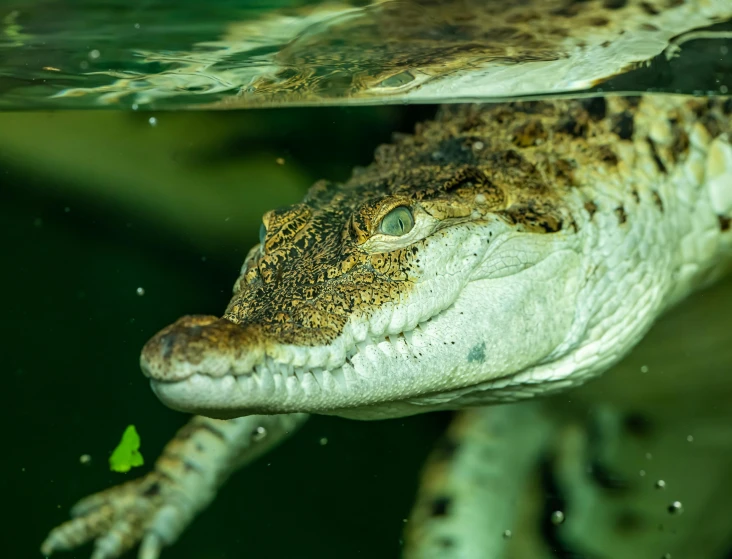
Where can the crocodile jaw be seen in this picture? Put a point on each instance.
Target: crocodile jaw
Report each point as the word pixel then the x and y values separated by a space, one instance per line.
pixel 494 325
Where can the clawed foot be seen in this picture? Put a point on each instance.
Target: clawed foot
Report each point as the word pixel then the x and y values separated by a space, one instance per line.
pixel 148 510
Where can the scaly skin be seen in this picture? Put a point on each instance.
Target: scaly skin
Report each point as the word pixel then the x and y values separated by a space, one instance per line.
pixel 547 239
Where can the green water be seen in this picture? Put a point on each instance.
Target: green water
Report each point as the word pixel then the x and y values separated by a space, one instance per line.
pixel 147 55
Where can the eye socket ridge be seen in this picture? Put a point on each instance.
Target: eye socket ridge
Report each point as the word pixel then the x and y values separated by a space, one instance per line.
pixel 398 222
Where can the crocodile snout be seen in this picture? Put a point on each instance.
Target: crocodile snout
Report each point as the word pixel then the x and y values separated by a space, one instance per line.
pixel 198 344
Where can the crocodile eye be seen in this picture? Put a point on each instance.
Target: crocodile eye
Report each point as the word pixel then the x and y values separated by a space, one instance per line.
pixel 262 233
pixel 397 222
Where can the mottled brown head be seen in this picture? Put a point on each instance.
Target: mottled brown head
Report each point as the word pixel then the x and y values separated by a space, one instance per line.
pixel 325 259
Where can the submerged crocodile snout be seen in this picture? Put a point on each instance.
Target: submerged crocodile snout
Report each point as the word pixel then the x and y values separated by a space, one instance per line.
pixel 199 344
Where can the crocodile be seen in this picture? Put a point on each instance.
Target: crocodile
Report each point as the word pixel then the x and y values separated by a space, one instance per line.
pixel 497 254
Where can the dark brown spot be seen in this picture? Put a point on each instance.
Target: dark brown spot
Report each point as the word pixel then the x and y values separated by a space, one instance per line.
pixel 635 195
pixel 621 214
pixel 727 106
pixel 440 506
pixel 534 217
pixel 680 144
pixel 649 27
pixel 656 157
pixel 570 9
pixel 152 491
pixel 606 154
pixel 649 8
pixel 614 4
pixel 698 106
pixel 657 200
pixel 724 222
pixel 591 208
pixel 573 126
pixel 710 122
pixel 564 171
pixel 596 107
pixel 598 21
pixel 467 177
pixel 623 125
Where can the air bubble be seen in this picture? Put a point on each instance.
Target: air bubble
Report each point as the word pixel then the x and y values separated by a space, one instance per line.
pixel 259 433
pixel 94 54
pixel 323 441
pixel 507 534
pixel 676 508
pixel 140 291
pixel 644 369
pixel 557 517
pixel 152 121
pixel 660 484
pixel 690 438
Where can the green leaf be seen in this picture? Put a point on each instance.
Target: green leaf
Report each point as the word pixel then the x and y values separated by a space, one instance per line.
pixel 127 454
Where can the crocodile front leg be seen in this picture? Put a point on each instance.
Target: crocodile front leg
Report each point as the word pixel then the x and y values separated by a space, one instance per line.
pixel 156 508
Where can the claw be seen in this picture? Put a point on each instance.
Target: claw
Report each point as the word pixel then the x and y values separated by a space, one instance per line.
pixel 78 531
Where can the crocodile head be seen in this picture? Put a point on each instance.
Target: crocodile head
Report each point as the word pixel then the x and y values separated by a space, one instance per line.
pixel 448 264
